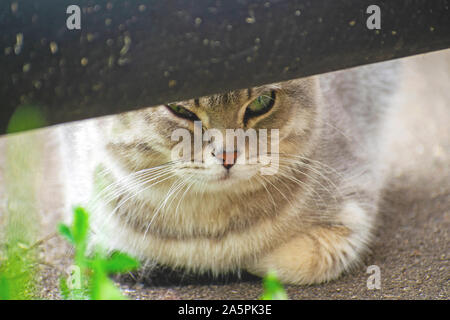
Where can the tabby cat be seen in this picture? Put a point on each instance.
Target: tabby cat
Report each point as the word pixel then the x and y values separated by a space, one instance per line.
pixel 310 220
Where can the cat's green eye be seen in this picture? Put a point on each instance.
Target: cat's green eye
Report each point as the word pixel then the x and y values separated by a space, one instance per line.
pixel 182 112
pixel 260 105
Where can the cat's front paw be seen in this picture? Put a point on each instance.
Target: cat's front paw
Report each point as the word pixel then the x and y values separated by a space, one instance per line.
pixel 320 255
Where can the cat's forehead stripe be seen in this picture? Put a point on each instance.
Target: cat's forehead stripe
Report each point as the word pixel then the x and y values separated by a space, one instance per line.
pixel 197 102
pixel 231 97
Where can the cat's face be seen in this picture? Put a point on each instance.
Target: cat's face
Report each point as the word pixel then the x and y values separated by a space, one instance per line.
pixel 281 117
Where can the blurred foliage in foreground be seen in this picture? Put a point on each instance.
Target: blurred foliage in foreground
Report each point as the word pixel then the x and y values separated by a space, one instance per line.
pixel 273 289
pixel 19 217
pixel 89 278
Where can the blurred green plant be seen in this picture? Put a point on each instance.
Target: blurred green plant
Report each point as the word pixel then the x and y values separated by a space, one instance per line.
pixel 19 223
pixel 26 117
pixel 90 279
pixel 17 273
pixel 273 289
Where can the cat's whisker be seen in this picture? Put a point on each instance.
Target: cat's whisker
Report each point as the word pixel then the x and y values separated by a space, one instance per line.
pixel 274 186
pixel 306 218
pixel 138 183
pixel 166 176
pixel 267 190
pixel 343 179
pixel 129 176
pixel 319 164
pixel 119 182
pixel 327 123
pixel 310 167
pixel 172 189
pixel 137 176
pixel 318 182
pixel 183 195
pixel 183 183
pixel 300 183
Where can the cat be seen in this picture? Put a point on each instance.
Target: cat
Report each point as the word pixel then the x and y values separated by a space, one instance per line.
pixel 309 221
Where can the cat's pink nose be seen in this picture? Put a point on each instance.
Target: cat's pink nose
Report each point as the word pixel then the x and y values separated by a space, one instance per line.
pixel 228 158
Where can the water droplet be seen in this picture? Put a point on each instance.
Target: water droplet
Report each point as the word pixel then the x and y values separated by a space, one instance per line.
pixel 123 61
pixel 84 62
pixel 250 20
pixel 97 86
pixel 90 37
pixel 111 61
pixel 26 67
pixel 126 46
pixel 53 47
pixel 19 43
pixel 37 84
pixel 14 7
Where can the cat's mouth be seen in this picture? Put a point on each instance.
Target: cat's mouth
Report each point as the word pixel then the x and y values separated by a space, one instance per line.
pixel 223 179
pixel 217 178
pixel 220 178
pixel 225 176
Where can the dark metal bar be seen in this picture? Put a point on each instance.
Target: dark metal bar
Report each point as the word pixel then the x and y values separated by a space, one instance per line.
pixel 131 54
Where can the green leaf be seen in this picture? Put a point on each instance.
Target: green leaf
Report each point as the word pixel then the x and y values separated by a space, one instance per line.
pixel 95 269
pixel 120 262
pixel 102 288
pixel 80 225
pixel 273 289
pixel 5 291
pixel 64 230
pixel 26 117
pixel 63 288
pixel 106 290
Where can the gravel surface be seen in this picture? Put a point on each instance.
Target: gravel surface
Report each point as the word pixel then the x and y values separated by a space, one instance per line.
pixel 412 241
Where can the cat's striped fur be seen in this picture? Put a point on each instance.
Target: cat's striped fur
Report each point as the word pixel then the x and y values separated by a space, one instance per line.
pixel 309 222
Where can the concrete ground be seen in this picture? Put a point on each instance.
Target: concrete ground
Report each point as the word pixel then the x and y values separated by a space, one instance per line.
pixel 412 241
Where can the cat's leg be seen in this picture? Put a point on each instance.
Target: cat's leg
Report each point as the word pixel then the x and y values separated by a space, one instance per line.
pixel 321 254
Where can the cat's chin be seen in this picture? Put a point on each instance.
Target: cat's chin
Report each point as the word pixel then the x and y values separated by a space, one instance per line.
pixel 225 182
